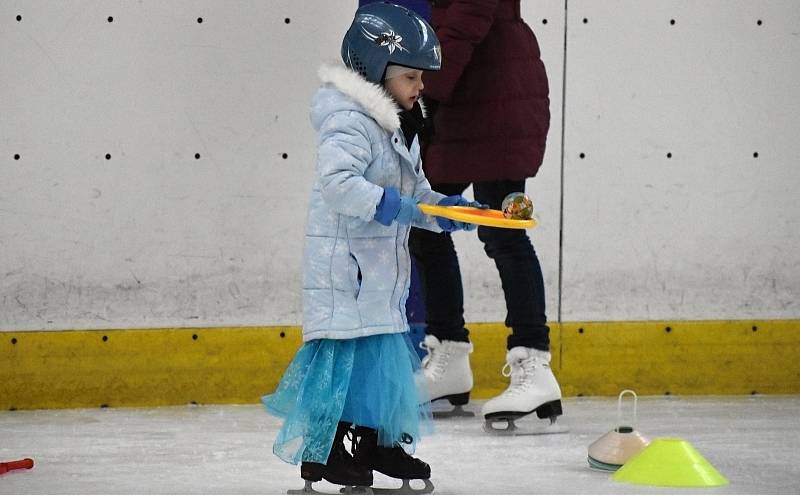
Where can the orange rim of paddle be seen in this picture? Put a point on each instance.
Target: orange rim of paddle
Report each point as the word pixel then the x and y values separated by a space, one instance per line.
pixel 478 216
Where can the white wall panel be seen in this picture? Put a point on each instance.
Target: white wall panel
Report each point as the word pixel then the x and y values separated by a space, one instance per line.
pixel 711 232
pixel 154 236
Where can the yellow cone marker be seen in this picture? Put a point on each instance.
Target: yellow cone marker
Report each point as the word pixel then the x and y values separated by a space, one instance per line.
pixel 669 462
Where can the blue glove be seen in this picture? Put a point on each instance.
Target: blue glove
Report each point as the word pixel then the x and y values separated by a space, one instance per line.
pixel 451 225
pixel 401 209
pixel 409 211
pixel 461 201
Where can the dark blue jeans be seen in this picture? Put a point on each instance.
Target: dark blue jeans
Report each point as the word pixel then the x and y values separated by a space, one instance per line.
pixel 516 261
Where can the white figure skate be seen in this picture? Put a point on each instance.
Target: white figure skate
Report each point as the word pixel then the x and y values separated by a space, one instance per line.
pixel 447 374
pixel 533 388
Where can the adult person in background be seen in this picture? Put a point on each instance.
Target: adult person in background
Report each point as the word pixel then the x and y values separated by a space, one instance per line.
pixel 488 116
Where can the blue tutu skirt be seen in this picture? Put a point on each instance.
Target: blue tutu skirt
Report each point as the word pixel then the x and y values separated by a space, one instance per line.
pixel 368 381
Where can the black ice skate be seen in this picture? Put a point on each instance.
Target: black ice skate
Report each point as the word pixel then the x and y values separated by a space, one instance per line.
pixel 340 469
pixel 394 462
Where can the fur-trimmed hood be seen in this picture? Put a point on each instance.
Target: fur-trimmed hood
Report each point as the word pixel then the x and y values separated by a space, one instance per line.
pixel 362 96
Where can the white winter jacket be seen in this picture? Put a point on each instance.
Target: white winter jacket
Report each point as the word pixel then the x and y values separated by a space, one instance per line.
pixel 357 271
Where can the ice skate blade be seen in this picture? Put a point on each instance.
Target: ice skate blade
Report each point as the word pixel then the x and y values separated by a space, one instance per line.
pixel 458 401
pixel 512 429
pixel 349 490
pixel 405 489
pixel 455 412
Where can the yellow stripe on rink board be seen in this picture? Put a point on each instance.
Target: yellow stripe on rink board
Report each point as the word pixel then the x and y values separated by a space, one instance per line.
pixel 657 357
pixel 680 357
pixel 151 367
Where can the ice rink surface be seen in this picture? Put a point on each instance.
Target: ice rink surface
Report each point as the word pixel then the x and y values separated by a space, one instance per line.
pixel 753 441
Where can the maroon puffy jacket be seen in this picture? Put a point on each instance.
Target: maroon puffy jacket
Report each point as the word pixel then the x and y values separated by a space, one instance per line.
pixel 493 114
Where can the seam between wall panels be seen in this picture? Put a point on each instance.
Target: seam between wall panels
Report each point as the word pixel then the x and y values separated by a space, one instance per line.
pixel 561 182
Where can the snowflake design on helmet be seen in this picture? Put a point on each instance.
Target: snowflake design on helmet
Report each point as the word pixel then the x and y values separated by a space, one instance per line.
pixel 388 39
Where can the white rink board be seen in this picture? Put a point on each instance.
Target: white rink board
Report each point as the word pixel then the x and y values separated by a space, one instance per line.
pixel 155 237
pixel 712 232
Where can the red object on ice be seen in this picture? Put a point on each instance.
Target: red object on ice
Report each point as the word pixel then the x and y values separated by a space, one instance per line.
pixel 12 465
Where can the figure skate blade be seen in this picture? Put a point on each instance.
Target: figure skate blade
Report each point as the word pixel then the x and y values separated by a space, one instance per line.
pixel 309 489
pixel 404 489
pixel 443 410
pixel 524 428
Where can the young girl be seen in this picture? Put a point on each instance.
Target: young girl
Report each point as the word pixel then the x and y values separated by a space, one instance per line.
pixel 354 374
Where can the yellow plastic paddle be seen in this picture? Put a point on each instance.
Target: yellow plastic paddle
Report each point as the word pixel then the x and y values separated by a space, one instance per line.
pixel 478 216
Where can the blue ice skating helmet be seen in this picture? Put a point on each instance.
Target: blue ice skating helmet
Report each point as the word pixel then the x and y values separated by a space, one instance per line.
pixel 421 7
pixel 383 33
